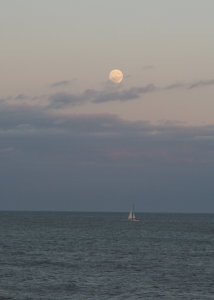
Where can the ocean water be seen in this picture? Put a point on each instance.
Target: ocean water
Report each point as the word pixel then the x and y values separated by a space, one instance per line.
pixel 57 255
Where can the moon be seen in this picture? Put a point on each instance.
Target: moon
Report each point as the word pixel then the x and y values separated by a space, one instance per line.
pixel 116 76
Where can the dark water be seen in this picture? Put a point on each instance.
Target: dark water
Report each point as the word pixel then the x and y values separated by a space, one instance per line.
pixel 103 256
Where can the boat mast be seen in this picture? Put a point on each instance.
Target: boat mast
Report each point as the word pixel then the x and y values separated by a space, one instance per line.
pixel 132 211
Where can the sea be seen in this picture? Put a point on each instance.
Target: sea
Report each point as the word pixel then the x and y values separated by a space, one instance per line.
pixel 86 255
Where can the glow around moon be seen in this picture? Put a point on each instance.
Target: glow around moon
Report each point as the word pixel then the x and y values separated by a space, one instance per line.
pixel 116 76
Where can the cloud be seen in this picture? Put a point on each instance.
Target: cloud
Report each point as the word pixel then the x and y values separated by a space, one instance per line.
pixel 176 85
pixel 112 93
pixel 62 83
pixel 36 119
pixel 60 100
pixel 124 95
pixel 109 93
pixel 102 141
pixel 41 115
pixel 46 156
pixel 21 97
pixel 147 67
pixel 202 83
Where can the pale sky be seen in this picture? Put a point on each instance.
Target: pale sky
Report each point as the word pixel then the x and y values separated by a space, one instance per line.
pixel 58 110
pixel 159 42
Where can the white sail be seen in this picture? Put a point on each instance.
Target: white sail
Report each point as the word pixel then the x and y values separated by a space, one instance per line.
pixel 131 216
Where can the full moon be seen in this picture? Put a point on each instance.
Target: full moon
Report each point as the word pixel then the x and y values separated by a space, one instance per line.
pixel 116 76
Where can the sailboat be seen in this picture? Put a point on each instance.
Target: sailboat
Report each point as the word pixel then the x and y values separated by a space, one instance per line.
pixel 131 216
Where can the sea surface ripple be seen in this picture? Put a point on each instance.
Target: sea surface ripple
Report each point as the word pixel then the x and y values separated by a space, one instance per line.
pixel 61 255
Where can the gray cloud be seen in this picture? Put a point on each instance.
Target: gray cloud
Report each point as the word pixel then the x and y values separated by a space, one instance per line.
pixel 47 159
pixel 98 158
pixel 21 97
pixel 148 67
pixel 24 118
pixel 6 99
pixel 202 83
pixel 109 93
pixel 112 93
pixel 59 100
pixel 61 83
pixel 176 85
pixel 124 95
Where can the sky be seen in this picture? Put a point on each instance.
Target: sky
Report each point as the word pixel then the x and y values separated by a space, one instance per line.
pixel 72 140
